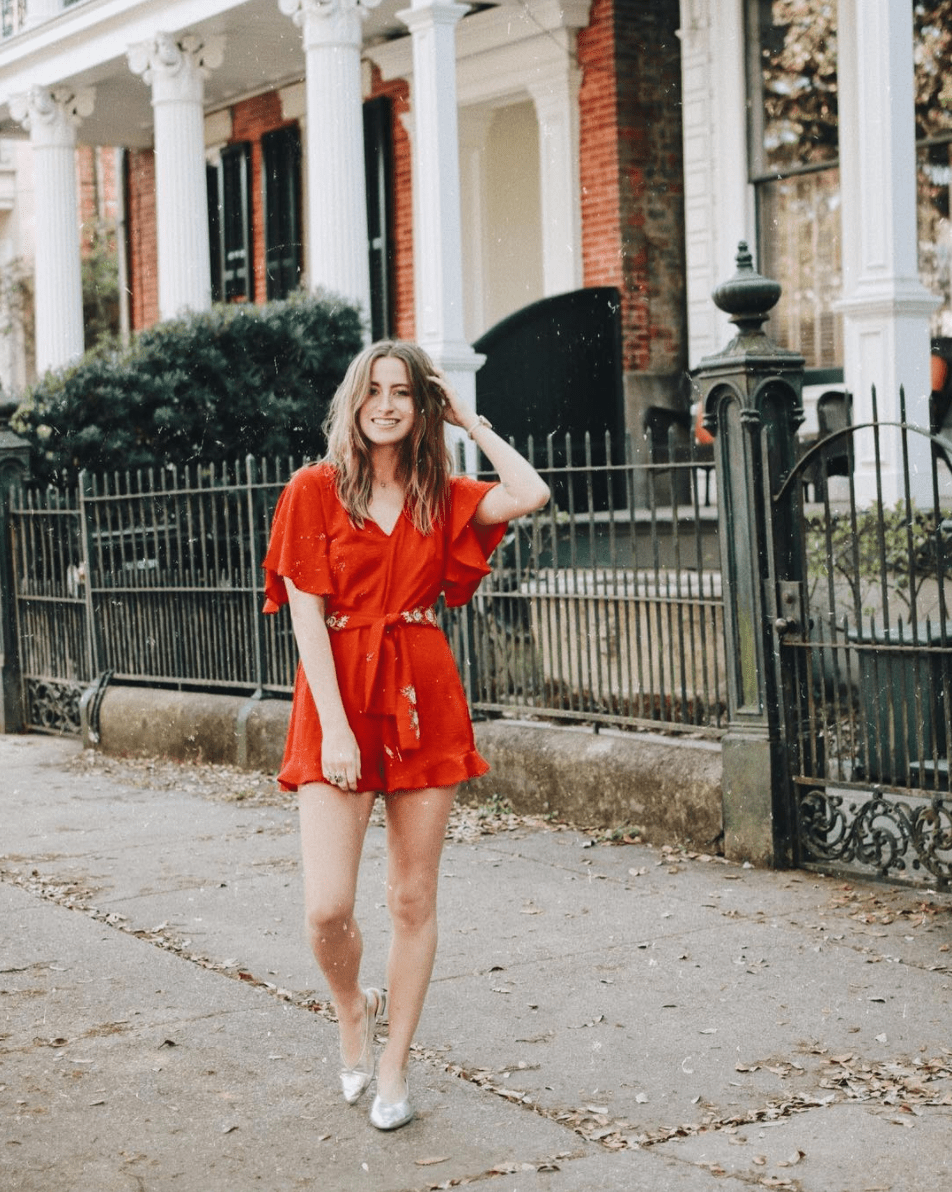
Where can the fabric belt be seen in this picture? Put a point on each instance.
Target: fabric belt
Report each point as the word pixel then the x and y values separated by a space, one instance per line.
pixel 389 687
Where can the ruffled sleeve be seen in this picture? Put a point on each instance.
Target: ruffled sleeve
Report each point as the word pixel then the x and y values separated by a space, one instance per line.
pixel 298 545
pixel 469 544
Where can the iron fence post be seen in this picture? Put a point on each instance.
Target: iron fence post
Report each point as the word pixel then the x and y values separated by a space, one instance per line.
pixel 14 470
pixel 752 401
pixel 94 653
pixel 258 546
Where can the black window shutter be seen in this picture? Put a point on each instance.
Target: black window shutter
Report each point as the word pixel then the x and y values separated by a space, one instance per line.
pixel 281 179
pixel 212 178
pixel 378 166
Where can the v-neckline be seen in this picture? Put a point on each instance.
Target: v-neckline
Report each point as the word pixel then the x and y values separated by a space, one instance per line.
pixel 393 528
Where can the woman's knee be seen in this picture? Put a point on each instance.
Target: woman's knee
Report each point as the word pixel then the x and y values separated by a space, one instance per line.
pixel 412 904
pixel 328 921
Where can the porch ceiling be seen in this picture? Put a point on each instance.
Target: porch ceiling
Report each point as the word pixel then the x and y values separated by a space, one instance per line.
pixel 86 46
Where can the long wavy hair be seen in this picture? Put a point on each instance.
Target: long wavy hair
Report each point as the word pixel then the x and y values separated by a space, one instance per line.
pixel 425 463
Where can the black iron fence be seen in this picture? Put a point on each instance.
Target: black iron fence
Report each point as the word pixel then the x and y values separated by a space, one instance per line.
pixel 598 609
pixel 866 654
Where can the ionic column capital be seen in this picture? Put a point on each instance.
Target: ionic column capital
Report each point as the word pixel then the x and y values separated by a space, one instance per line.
pixel 51 115
pixel 176 65
pixel 328 22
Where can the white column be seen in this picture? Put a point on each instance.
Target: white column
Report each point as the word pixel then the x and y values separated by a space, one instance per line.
pixel 437 241
pixel 885 307
pixel 52 116
pixel 556 103
pixel 473 131
pixel 176 68
pixel 338 258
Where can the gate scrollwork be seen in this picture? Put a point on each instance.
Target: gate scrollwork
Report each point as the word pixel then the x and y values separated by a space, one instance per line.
pixel 886 835
pixel 54 707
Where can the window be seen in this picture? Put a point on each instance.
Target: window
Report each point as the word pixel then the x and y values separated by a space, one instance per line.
pixel 281 180
pixel 232 235
pixel 794 168
pixel 229 225
pixel 378 166
pixel 12 17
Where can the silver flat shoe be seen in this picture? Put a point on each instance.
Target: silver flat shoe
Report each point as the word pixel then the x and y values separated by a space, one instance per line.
pixel 391 1116
pixel 356 1080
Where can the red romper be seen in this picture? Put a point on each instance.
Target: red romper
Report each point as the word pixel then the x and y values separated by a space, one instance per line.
pixel 397 676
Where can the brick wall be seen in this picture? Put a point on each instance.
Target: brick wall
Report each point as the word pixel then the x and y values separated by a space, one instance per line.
pixel 631 174
pixel 401 229
pixel 96 185
pixel 143 251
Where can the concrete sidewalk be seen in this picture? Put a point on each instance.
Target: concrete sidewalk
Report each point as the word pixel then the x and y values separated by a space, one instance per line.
pixel 601 1017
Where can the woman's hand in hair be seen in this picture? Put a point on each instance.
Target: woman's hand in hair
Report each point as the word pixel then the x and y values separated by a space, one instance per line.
pixel 455 410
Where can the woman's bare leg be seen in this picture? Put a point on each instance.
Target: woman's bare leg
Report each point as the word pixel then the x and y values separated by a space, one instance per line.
pixel 416 829
pixel 333 827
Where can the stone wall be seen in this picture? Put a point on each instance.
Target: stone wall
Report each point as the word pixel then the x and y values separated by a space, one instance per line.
pixel 668 787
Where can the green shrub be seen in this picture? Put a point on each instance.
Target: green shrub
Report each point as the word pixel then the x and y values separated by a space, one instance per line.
pixel 908 544
pixel 207 388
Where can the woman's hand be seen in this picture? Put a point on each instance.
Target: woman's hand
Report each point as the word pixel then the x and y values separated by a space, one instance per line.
pixel 455 410
pixel 340 757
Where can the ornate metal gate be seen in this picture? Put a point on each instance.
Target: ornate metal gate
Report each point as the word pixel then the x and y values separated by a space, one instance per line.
pixel 863 646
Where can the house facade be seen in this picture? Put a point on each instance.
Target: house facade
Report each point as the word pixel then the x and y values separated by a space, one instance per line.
pixel 445 165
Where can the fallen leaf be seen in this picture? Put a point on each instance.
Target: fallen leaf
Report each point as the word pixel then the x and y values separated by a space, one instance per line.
pixel 792 1160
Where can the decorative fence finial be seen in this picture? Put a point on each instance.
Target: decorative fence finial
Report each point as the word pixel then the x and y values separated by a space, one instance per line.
pixel 747 297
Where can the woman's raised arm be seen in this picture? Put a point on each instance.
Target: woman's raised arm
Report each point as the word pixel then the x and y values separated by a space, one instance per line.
pixel 521 489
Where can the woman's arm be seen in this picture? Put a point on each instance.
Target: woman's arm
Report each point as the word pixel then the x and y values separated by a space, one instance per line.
pixel 521 489
pixel 340 754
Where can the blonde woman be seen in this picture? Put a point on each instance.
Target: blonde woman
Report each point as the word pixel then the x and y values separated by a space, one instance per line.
pixel 362 546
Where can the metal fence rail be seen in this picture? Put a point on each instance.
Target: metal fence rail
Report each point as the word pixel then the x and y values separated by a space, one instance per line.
pixel 605 607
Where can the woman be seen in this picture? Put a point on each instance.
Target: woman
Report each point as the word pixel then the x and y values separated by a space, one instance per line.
pixel 362 546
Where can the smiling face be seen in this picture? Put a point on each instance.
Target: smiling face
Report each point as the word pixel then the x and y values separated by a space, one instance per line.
pixel 387 413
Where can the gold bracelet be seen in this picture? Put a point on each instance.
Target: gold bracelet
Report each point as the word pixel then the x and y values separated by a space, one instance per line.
pixel 482 420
